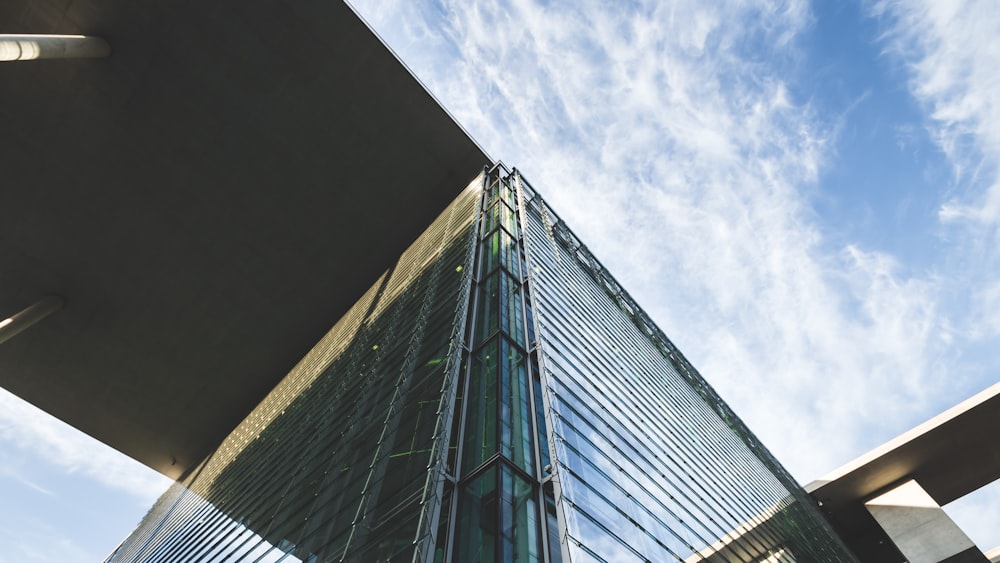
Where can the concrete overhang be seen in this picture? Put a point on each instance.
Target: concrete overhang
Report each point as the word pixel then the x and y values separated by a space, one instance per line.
pixel 950 455
pixel 208 201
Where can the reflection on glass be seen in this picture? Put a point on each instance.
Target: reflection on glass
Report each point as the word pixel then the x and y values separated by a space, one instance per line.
pixel 493 394
pixel 652 465
pixel 342 459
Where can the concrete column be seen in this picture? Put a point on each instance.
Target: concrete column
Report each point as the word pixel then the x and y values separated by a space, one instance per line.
pixel 919 528
pixel 27 47
pixel 12 326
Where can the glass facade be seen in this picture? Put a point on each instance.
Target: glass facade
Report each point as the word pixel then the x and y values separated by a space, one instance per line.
pixel 499 474
pixel 340 462
pixel 495 396
pixel 649 463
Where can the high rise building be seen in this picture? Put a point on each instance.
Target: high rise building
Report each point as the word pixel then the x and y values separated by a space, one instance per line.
pixel 494 396
pixel 185 217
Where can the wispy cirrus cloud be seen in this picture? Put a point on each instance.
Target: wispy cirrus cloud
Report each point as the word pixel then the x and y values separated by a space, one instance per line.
pixel 63 491
pixel 669 137
pixel 26 427
pixel 951 54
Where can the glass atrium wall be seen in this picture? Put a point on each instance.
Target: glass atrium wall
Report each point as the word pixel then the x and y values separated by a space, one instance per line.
pixel 343 459
pixel 649 463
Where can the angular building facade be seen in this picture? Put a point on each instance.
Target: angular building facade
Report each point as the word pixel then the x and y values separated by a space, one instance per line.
pixel 494 396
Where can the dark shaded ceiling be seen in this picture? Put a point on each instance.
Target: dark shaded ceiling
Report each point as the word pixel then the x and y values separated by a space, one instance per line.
pixel 208 200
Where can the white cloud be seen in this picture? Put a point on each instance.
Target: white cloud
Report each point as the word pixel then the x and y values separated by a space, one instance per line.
pixel 667 136
pixel 952 55
pixel 26 427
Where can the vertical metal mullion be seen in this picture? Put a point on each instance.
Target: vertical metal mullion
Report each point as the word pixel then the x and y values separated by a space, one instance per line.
pixel 498 511
pixel 504 339
pixel 499 334
pixel 466 353
pixel 443 435
pixel 546 401
pixel 498 420
pixel 539 492
pixel 459 452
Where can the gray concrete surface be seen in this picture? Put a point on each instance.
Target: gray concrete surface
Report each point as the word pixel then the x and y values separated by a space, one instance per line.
pixel 917 525
pixel 208 200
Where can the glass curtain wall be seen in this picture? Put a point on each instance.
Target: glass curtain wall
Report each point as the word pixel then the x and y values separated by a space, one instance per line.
pixel 649 464
pixel 343 460
pixel 501 453
pixel 496 396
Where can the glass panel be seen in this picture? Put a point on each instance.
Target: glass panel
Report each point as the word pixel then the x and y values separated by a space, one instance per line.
pixel 499 249
pixel 515 419
pixel 477 520
pixel 543 440
pixel 530 322
pixel 652 464
pixel 488 313
pixel 519 518
pixel 442 530
pixel 491 218
pixel 512 318
pixel 481 419
pixel 507 194
pixel 493 192
pixel 508 219
pixel 555 550
pixel 500 308
pixel 456 421
pixel 491 252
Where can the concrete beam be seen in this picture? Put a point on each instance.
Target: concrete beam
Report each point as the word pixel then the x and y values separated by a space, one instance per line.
pixel 950 455
pixel 29 47
pixel 209 202
pixel 920 529
pixel 12 326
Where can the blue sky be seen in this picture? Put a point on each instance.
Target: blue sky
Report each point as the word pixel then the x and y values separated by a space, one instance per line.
pixel 805 196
